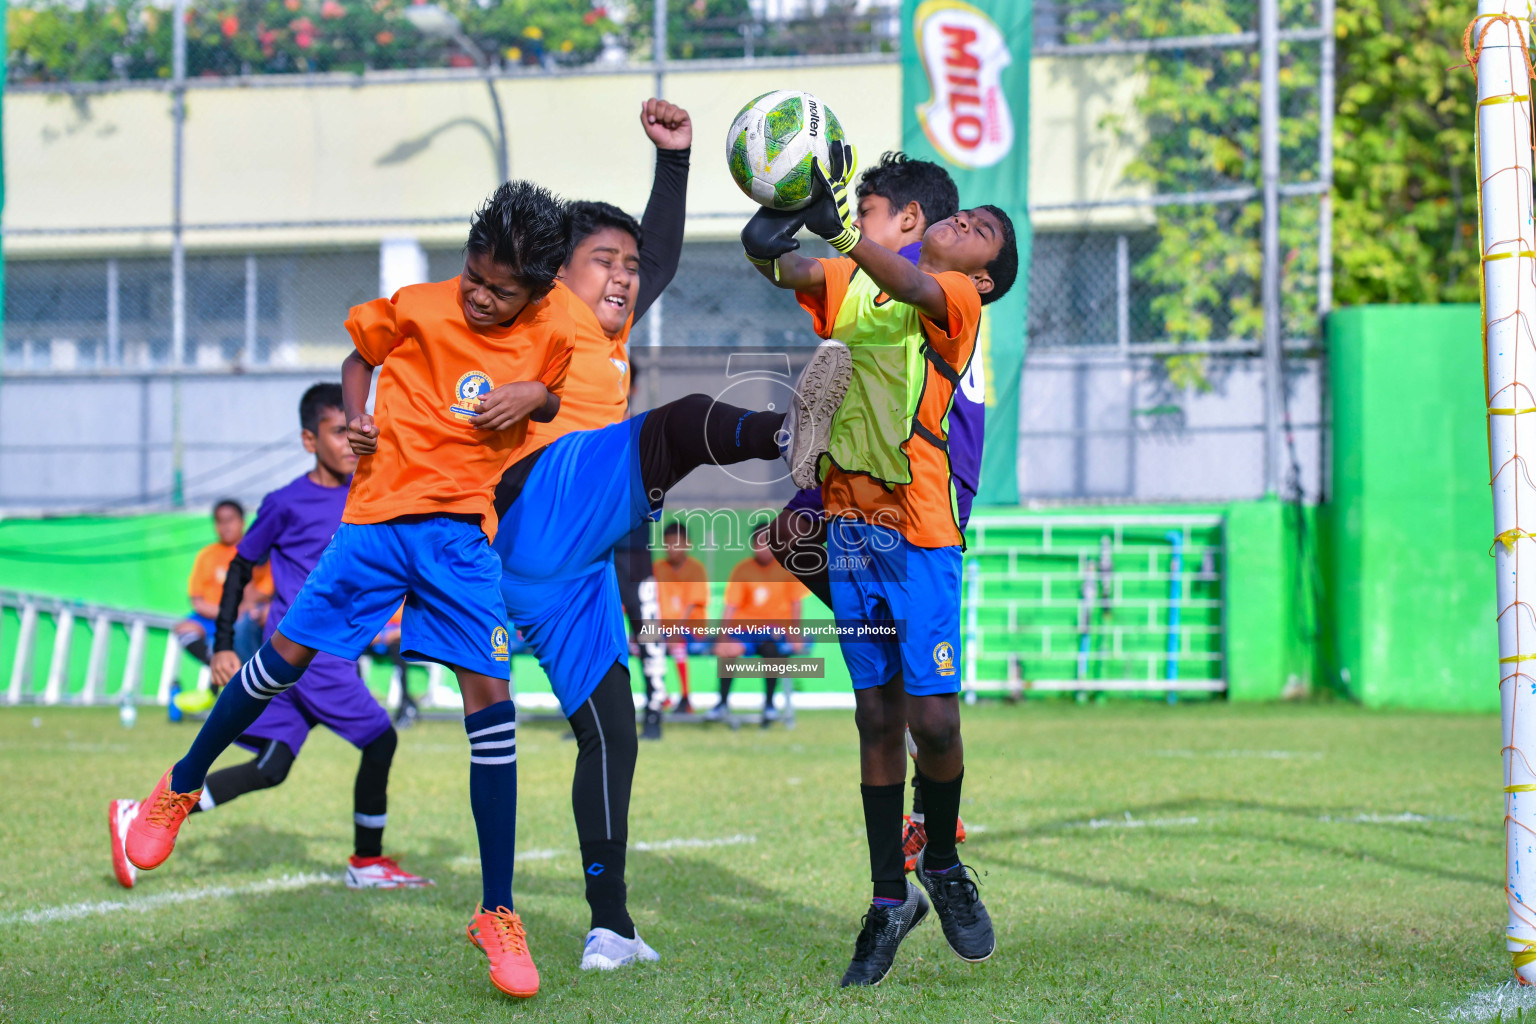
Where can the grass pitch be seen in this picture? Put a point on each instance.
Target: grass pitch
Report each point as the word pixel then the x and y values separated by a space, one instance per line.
pixel 1141 862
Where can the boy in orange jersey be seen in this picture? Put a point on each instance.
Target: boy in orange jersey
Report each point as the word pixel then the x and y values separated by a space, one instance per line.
pixel 894 538
pixel 463 364
pixel 761 597
pixel 584 481
pixel 682 591
pixel 205 585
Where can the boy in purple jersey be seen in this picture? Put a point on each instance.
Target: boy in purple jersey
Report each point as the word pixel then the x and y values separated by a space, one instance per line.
pixel 898 199
pixel 292 528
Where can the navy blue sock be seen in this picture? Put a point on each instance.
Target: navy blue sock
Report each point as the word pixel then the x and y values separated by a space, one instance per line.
pixel 493 797
pixel 239 705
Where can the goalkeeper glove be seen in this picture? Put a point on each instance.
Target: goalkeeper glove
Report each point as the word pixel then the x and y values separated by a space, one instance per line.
pixel 770 234
pixel 830 214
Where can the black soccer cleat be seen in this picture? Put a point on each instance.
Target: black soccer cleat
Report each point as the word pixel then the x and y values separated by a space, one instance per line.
pixel 884 928
pixel 967 926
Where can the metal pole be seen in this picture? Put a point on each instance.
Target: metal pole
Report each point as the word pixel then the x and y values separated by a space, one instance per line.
pixel 114 316
pixel 1325 167
pixel 1122 293
pixel 248 354
pixel 178 242
pixel 659 45
pixel 1269 150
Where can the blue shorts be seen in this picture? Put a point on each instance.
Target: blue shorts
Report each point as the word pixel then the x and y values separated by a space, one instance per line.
pixel 442 567
pixel 555 543
pixel 879 577
pixel 760 643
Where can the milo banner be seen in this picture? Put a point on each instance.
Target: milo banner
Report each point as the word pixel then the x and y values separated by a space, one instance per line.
pixel 965 105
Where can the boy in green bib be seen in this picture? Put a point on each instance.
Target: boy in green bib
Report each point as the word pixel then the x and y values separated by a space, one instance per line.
pixel 894 539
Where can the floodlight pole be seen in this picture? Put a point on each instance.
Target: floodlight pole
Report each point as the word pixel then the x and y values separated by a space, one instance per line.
pixel 1508 262
pixel 178 242
pixel 1269 158
pixel 659 62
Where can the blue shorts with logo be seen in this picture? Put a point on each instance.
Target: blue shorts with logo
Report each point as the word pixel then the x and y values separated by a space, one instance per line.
pixel 555 545
pixel 442 567
pixel 879 577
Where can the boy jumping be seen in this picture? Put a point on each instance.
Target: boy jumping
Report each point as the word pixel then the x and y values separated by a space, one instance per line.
pixel 894 538
pixel 463 365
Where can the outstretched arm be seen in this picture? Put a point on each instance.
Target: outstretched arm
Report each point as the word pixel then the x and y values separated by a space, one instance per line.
pixel 661 227
pixel 902 280
pixel 795 273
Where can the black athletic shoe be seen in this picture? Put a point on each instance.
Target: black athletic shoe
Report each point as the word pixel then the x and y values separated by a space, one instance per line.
pixel 652 727
pixel 967 926
pixel 884 928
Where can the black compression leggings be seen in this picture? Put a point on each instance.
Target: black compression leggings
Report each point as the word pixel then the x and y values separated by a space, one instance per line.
pixel 695 431
pixel 606 747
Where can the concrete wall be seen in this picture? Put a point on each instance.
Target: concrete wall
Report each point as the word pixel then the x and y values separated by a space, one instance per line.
pixel 425 149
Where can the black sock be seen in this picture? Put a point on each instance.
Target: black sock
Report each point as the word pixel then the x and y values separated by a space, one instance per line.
pixel 370 800
pixel 697 430
pixel 917 797
pixel 199 650
pixel 725 690
pixel 602 861
pixel 882 827
pixel 770 687
pixel 267 769
pixel 943 801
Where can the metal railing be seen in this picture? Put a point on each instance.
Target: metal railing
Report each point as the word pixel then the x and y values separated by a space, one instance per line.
pixel 1091 604
pixel 21 684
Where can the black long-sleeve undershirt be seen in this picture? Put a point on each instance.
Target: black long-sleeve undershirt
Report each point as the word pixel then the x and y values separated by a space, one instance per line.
pixel 235 578
pixel 661 227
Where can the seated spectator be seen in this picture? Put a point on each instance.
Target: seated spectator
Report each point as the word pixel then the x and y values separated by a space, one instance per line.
pixel 205 588
pixel 761 597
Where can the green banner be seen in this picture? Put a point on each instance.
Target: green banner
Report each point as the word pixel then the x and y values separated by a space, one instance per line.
pixel 965 105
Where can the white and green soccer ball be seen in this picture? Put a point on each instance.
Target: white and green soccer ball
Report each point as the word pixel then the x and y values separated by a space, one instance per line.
pixel 772 143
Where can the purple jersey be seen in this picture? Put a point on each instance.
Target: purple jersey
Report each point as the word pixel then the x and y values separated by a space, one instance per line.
pixel 967 432
pixel 292 528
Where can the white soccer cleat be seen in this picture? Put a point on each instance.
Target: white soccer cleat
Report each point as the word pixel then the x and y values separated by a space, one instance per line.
pixel 381 873
pixel 120 814
pixel 606 950
pixel 807 426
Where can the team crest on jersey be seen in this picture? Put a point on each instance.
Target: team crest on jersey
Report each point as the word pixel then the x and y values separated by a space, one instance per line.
pixel 944 658
pixel 499 643
pixel 471 387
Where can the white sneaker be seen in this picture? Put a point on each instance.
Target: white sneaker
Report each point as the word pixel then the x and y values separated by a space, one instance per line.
pixel 606 950
pixel 808 424
pixel 381 873
pixel 120 814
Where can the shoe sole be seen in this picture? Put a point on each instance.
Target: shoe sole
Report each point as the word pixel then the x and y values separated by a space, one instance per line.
pixel 818 393
pixel 122 867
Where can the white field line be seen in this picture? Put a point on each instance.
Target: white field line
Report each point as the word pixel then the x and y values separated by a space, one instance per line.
pixel 1508 1002
pixel 1263 755
pixel 688 843
pixel 75 911
pixel 1130 822
pixel 1401 818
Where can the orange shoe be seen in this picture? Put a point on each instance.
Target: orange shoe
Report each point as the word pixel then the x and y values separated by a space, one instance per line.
pixel 152 833
pixel 499 934
pixel 913 838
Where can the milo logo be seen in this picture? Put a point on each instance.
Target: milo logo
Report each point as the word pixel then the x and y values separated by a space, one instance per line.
pixel 815 112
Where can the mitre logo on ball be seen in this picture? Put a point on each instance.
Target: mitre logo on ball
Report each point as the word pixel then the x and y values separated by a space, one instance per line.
pixel 964 55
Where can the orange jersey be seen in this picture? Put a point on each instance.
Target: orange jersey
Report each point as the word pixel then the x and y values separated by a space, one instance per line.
pixel 211 567
pixel 923 509
pixel 596 388
pixel 758 593
pixel 683 593
pixel 433 370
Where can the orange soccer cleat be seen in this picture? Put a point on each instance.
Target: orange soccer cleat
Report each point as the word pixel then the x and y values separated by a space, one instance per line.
pixel 914 836
pixel 152 833
pixel 500 936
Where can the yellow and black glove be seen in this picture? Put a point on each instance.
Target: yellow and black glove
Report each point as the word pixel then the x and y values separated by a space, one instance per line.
pixel 832 213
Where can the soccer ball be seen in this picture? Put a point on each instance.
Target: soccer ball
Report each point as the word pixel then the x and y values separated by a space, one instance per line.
pixel 772 143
